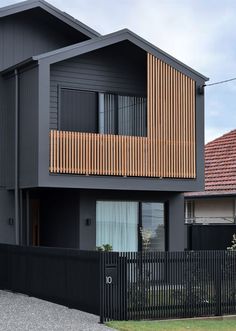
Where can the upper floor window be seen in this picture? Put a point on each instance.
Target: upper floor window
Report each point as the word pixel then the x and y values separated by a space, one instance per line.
pixel 123 115
pixel 87 111
pixel 78 110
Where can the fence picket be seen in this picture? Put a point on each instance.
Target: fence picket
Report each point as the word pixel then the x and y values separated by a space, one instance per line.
pixel 157 285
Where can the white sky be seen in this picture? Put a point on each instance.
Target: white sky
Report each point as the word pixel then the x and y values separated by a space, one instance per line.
pixel 200 33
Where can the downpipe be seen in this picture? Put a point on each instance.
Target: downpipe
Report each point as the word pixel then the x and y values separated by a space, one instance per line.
pixel 16 188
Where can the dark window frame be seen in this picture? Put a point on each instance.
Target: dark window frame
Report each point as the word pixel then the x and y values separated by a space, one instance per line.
pixel 60 87
pixel 166 218
pixel 117 114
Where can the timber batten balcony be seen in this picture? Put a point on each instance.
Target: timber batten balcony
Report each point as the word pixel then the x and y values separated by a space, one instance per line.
pixel 100 154
pixel 169 150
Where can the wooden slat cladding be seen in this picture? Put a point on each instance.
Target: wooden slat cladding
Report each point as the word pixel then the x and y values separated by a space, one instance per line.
pixel 171 121
pixel 167 151
pixel 95 154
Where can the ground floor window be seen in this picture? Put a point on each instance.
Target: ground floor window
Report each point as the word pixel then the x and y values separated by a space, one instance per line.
pixel 130 226
pixel 117 225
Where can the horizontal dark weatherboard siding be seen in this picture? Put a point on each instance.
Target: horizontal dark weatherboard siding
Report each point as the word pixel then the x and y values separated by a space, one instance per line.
pixel 106 70
pixel 31 33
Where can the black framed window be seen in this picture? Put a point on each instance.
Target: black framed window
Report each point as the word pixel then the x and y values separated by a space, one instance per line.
pixel 153 227
pixel 131 225
pixel 123 115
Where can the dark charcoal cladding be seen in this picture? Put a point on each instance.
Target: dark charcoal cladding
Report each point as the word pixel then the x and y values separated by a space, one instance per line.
pixel 64 276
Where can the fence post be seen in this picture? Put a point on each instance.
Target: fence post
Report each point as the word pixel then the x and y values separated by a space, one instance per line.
pixel 218 266
pixel 102 270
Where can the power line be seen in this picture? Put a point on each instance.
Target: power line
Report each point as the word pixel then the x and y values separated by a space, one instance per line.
pixel 220 82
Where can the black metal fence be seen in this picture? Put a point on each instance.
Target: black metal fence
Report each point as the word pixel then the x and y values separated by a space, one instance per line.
pixel 209 237
pixel 124 286
pixel 159 285
pixel 65 276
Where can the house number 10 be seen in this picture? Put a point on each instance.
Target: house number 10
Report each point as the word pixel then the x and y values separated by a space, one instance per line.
pixel 108 280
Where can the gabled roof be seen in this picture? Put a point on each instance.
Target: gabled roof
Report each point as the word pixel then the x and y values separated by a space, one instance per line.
pixel 113 38
pixel 62 16
pixel 220 167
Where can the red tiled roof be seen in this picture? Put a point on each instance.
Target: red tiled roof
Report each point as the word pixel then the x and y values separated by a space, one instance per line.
pixel 220 166
pixel 220 163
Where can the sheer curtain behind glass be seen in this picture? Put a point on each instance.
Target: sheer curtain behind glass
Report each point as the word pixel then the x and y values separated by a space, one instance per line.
pixel 117 224
pixel 123 115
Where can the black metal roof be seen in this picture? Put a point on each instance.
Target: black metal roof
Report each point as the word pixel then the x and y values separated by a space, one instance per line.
pixel 64 17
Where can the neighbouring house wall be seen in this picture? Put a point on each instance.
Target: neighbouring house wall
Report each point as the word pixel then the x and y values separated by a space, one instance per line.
pixel 7 230
pixel 118 69
pixel 214 208
pixel 28 127
pixel 30 33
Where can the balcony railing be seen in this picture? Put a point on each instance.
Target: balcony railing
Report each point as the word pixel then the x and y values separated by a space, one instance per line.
pixel 98 154
pixel 102 154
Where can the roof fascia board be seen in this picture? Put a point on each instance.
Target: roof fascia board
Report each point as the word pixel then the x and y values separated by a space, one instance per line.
pixel 210 196
pixel 18 7
pixel 80 48
pixel 103 41
pixel 62 16
pixel 19 65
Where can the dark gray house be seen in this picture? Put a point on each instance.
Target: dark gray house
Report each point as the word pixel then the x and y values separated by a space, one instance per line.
pixel 99 135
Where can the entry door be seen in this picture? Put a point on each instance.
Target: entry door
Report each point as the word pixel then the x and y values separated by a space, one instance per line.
pixel 35 221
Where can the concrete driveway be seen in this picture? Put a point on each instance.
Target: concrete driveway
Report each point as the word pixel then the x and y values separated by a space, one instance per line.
pixel 22 313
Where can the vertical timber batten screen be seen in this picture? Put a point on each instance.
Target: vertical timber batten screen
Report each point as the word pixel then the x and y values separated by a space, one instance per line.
pixel 168 150
pixel 171 121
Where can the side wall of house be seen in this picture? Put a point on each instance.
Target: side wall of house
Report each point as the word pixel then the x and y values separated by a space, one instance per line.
pixel 7 229
pixel 30 33
pixel 117 69
pixel 7 131
pixel 7 136
pixel 28 127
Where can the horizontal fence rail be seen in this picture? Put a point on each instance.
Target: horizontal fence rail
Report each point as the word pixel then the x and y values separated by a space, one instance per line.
pixel 159 285
pixel 168 150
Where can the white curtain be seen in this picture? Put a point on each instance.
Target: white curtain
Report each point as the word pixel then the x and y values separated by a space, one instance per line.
pixel 117 225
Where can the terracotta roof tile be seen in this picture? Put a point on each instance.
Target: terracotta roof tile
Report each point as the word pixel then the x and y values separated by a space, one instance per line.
pixel 220 163
pixel 220 166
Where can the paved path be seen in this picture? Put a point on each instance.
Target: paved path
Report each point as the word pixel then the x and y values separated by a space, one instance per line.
pixel 22 313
